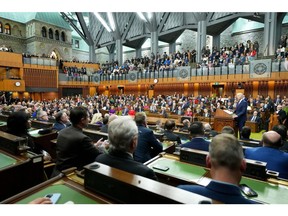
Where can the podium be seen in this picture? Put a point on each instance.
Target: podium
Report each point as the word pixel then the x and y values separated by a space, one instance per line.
pixel 222 118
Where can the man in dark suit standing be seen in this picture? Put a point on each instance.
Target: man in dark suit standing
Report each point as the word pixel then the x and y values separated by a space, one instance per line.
pixel 281 114
pixel 123 138
pixel 241 111
pixel 148 146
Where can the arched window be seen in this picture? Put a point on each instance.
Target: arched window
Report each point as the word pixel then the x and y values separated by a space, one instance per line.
pixel 44 32
pixel 50 33
pixel 63 36
pixel 7 29
pixel 1 28
pixel 57 35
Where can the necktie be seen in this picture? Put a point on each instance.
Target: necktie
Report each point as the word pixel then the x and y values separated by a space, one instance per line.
pixel 253 119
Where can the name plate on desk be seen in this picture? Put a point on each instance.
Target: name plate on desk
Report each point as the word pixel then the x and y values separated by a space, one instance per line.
pixel 255 169
pixel 193 156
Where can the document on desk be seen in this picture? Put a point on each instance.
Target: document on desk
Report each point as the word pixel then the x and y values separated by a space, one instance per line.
pixel 228 112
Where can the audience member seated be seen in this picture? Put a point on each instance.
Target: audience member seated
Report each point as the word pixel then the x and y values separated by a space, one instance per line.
pixel 186 125
pixel 245 134
pixel 104 128
pixel 227 165
pixel 282 131
pixel 208 131
pixel 74 148
pixel 228 130
pixel 276 159
pixel 42 116
pixel 255 117
pixel 18 124
pixel 198 140
pixel 169 127
pixel 62 121
pixel 123 138
pixel 148 146
pixel 97 119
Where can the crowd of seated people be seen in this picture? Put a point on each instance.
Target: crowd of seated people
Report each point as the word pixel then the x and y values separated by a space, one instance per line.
pixel 239 54
pixel 200 139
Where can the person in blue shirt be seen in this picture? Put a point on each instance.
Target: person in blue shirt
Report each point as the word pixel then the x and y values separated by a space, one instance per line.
pixel 198 140
pixel 226 162
pixel 276 159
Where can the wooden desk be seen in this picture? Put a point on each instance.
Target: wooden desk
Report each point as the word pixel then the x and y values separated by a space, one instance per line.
pixel 41 124
pixel 95 135
pixel 44 141
pixel 129 188
pixel 253 125
pixel 18 173
pixel 272 191
pixel 71 189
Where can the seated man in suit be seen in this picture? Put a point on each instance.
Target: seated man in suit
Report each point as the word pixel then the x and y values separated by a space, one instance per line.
pixel 104 128
pixel 245 134
pixel 123 138
pixel 169 127
pixel 282 130
pixel 198 140
pixel 147 146
pixel 73 147
pixel 226 164
pixel 62 121
pixel 255 117
pixel 42 116
pixel 208 131
pixel 276 159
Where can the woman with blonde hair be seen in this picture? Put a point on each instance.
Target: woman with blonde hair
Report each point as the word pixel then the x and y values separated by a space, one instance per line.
pixel 97 119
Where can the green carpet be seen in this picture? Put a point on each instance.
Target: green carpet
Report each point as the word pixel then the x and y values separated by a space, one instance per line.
pixel 257 136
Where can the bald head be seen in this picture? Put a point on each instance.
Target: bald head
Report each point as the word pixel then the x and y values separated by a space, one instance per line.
pixel 271 138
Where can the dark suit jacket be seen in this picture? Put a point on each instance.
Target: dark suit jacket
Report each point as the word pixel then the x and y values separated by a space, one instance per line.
pixel 197 143
pixel 104 128
pixel 58 126
pixel 222 192
pixel 74 149
pixel 276 159
pixel 148 146
pixel 171 136
pixel 241 112
pixel 281 116
pixel 124 161
pixel 258 119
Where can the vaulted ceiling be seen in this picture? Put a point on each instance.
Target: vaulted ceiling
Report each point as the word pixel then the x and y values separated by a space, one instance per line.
pixel 133 31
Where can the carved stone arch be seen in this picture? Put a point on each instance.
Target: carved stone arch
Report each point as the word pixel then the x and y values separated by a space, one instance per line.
pixel 51 33
pixel 7 28
pixel 44 31
pixel 58 52
pixel 57 34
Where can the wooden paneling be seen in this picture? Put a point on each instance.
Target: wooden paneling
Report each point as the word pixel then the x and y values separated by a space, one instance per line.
pixel 9 59
pixel 41 78
pixel 9 85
